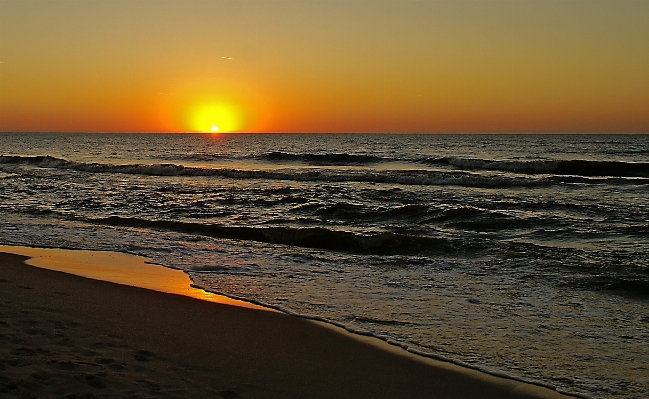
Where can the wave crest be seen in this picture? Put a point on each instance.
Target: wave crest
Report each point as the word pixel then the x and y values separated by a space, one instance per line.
pixel 576 167
pixel 308 237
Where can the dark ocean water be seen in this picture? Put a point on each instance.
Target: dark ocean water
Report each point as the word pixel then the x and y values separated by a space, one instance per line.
pixel 526 255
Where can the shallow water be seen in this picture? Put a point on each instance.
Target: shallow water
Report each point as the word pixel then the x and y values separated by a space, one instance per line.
pixel 524 255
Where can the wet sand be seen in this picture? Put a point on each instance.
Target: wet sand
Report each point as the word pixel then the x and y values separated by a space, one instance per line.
pixel 63 335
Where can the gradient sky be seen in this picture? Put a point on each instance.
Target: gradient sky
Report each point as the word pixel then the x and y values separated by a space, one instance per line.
pixel 324 65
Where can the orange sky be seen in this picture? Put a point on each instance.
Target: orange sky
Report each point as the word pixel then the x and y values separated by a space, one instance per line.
pixel 325 65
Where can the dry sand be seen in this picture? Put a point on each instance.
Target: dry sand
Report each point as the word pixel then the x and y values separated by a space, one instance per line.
pixel 65 336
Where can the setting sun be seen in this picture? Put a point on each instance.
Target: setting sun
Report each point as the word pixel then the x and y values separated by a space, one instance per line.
pixel 214 117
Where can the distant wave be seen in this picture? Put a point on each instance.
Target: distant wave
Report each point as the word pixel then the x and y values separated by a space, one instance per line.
pixel 309 237
pixel 346 210
pixel 333 159
pixel 576 167
pixel 401 177
pixel 322 159
pixel 197 157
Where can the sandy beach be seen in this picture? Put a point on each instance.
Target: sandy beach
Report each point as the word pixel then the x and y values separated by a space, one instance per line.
pixel 63 335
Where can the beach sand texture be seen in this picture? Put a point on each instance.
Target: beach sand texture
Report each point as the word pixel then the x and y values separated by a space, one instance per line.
pixel 63 335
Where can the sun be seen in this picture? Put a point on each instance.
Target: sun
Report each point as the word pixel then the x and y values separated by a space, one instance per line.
pixel 214 117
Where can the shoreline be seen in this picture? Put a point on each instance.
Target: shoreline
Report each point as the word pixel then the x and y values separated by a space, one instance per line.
pixel 284 356
pixel 120 268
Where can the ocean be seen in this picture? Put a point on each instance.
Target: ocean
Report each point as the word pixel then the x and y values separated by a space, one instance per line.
pixel 519 255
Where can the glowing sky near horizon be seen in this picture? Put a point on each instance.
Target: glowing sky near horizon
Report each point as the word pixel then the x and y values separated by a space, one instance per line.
pixel 325 66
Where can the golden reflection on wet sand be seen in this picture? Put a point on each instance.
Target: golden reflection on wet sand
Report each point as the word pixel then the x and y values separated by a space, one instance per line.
pixel 119 268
